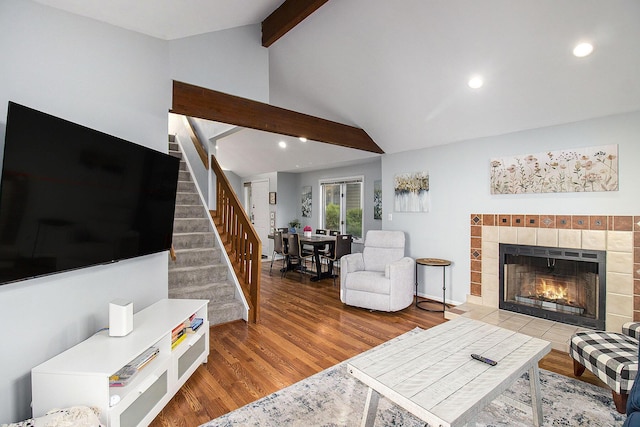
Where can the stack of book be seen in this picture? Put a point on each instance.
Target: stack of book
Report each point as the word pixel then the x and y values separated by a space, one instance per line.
pixel 178 334
pixel 127 372
pixel 196 322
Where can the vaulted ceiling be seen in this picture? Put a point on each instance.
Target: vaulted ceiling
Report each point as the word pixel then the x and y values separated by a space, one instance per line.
pixel 399 70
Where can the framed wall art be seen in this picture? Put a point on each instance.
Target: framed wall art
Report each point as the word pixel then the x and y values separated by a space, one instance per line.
pixel 577 170
pixel 377 199
pixel 306 201
pixel 411 192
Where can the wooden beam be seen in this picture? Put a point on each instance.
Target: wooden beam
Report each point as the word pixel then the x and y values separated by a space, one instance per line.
pixel 195 101
pixel 284 18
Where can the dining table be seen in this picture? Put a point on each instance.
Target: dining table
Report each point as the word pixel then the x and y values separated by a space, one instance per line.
pixel 318 242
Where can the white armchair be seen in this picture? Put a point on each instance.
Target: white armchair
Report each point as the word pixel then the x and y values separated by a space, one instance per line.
pixel 381 277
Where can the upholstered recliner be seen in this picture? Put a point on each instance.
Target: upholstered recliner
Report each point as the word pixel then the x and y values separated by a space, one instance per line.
pixel 381 277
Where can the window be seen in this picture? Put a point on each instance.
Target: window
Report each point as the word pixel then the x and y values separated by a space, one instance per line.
pixel 342 205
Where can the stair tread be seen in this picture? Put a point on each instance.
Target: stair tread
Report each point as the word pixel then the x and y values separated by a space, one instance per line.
pixel 192 232
pixel 197 267
pixel 197 249
pixel 223 304
pixel 205 286
pixel 194 218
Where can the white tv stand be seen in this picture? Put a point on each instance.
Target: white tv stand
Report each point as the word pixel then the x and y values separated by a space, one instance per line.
pixel 80 375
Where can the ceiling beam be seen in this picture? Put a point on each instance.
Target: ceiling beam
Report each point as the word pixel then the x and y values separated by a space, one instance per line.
pixel 284 18
pixel 195 101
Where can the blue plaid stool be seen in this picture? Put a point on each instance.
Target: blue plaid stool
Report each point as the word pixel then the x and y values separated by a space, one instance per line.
pixel 610 356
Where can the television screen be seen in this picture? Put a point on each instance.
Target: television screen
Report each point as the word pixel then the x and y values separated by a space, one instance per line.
pixel 73 197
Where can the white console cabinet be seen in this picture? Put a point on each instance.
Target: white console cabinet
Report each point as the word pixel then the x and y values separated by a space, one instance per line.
pixel 80 375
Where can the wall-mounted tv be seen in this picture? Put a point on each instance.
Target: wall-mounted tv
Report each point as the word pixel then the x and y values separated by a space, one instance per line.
pixel 73 197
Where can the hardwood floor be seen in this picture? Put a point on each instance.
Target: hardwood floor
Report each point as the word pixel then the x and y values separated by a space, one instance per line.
pixel 304 329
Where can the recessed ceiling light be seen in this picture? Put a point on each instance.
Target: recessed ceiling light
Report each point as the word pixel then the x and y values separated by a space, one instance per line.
pixel 475 82
pixel 282 144
pixel 583 49
pixel 302 139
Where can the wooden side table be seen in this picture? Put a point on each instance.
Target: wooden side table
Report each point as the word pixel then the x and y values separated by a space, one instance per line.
pixel 433 262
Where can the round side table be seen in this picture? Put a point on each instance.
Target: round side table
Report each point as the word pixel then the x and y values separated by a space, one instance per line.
pixel 432 262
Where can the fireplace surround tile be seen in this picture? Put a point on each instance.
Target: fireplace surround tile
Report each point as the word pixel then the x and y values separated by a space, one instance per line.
pixel 623 264
pixel 620 283
pixel 619 305
pixel 504 220
pixel 619 262
pixel 517 220
pixel 570 238
pixel 547 221
pixel 547 237
pixel 594 239
pixel 527 236
pixel 531 220
pixel 491 220
pixel 623 223
pixel 508 235
pixel 580 222
pixel 598 222
pixel 620 241
pixel 563 221
pixel 490 234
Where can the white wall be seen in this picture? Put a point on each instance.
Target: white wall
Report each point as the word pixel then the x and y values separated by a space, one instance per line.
pixel 459 186
pixel 231 61
pixel 118 82
pixel 108 79
pixel 288 198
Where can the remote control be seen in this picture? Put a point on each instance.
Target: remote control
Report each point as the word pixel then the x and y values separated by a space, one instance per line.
pixel 484 360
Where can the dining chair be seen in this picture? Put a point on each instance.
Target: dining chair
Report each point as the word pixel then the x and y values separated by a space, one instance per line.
pixel 295 255
pixel 341 247
pixel 334 232
pixel 325 250
pixel 278 249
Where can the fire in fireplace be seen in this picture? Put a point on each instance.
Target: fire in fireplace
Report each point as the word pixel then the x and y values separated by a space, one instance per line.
pixel 564 285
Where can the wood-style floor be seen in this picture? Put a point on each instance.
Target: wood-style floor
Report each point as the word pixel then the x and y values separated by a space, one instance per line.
pixel 304 329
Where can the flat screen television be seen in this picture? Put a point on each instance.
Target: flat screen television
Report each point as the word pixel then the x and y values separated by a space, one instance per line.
pixel 74 197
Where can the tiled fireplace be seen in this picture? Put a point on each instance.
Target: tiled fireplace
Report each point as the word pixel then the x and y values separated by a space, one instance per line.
pixel 617 236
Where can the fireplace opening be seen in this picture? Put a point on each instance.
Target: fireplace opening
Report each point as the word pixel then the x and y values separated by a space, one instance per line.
pixel 564 285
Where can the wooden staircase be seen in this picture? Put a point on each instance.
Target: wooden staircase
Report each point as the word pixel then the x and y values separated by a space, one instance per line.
pixel 240 240
pixel 199 270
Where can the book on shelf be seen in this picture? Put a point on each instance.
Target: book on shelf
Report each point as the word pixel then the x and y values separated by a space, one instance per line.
pixel 196 322
pixel 175 343
pixel 129 371
pixel 123 376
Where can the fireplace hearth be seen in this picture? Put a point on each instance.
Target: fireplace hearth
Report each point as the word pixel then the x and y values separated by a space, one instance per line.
pixel 559 284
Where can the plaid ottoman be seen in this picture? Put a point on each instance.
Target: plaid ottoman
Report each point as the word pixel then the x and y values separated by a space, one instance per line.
pixel 632 329
pixel 610 356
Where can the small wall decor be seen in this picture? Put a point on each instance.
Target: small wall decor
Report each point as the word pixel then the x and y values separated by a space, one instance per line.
pixel 272 197
pixel 377 199
pixel 579 170
pixel 411 192
pixel 306 201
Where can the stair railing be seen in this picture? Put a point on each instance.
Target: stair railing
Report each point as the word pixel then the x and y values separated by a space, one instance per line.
pixel 241 240
pixel 200 149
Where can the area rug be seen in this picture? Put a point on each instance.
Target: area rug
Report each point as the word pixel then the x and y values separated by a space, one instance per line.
pixel 334 398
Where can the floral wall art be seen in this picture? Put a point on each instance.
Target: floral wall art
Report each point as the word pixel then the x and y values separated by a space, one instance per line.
pixel 411 191
pixel 306 201
pixel 577 170
pixel 377 199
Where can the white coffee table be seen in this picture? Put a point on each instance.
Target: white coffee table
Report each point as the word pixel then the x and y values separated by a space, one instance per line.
pixel 432 375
